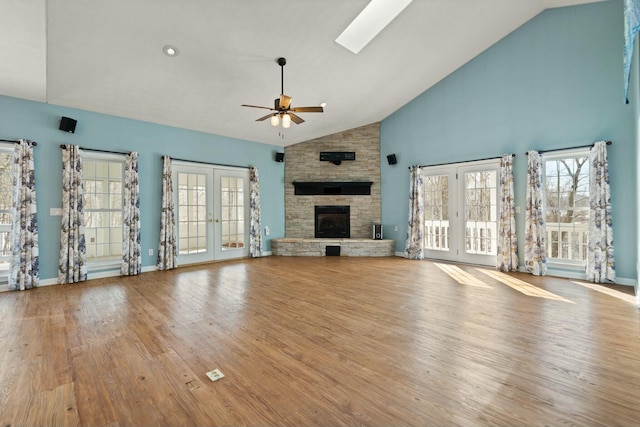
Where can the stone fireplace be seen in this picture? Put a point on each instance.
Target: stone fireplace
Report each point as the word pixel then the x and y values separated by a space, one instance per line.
pixel 303 165
pixel 310 184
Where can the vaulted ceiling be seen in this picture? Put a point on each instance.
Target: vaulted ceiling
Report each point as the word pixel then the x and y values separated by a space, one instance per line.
pixel 107 57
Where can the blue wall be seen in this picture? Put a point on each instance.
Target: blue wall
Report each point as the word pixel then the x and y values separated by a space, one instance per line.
pixel 39 122
pixel 555 82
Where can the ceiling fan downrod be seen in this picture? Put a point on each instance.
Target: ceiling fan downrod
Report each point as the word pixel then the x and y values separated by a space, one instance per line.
pixel 282 62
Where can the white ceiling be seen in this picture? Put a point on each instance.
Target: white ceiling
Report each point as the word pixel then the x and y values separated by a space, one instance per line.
pixel 106 56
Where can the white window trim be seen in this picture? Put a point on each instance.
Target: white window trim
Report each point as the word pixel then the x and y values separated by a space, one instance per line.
pixel 560 263
pixel 6 147
pixel 115 262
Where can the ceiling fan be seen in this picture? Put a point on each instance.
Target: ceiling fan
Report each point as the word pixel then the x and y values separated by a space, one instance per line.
pixel 282 106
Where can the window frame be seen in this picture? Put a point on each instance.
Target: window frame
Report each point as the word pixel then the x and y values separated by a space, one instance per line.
pixel 4 269
pixel 562 263
pixel 115 261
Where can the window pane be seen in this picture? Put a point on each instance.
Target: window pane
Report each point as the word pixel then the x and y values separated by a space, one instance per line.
pixel 567 207
pixel 102 181
pixel 437 217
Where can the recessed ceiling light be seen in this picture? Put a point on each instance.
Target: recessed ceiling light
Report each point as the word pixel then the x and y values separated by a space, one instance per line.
pixel 170 50
pixel 324 104
pixel 373 18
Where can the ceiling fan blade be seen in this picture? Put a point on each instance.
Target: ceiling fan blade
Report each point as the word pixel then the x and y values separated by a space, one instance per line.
pixel 256 106
pixel 285 101
pixel 295 119
pixel 308 110
pixel 264 118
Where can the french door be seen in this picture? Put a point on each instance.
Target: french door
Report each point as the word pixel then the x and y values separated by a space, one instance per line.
pixel 461 212
pixel 212 212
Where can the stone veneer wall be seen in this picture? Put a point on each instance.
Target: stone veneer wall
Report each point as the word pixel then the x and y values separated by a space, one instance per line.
pixel 302 163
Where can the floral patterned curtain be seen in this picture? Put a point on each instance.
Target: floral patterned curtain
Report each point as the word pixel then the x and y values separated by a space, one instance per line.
pixel 167 258
pixel 507 258
pixel 131 252
pixel 255 235
pixel 600 262
pixel 535 259
pixel 24 266
pixel 414 246
pixel 72 266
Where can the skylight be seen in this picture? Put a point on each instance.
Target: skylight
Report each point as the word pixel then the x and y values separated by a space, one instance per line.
pixel 373 19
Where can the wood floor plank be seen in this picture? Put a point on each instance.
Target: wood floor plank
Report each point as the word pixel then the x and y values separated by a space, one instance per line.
pixel 320 341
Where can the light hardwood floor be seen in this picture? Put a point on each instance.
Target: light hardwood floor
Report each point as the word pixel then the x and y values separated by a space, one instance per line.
pixel 320 341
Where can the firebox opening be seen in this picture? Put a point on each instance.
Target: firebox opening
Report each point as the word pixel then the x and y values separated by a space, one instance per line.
pixel 332 221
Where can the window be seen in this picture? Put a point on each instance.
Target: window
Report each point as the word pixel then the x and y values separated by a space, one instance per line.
pixel 481 226
pixel 103 196
pixel 566 186
pixel 192 213
pixel 436 212
pixel 6 197
pixel 232 204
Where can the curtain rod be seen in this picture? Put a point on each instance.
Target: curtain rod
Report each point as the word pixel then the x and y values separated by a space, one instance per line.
pixel 16 142
pixel 568 148
pixel 207 163
pixel 63 146
pixel 464 161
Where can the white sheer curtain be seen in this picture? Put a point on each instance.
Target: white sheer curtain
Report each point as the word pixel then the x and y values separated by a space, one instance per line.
pixel 600 261
pixel 507 257
pixel 535 259
pixel 25 263
pixel 414 246
pixel 167 257
pixel 131 251
pixel 255 233
pixel 72 267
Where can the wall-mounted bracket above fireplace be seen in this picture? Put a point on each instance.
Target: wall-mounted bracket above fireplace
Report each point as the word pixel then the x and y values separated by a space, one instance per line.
pixel 332 188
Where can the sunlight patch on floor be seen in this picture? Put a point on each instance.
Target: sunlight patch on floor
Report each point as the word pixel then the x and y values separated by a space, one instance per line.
pixel 522 286
pixel 611 292
pixel 461 276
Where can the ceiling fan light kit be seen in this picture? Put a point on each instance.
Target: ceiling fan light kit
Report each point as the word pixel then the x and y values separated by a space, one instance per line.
pixel 282 106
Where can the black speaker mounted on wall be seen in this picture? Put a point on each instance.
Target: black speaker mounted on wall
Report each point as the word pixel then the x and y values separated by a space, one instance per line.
pixel 391 158
pixel 279 157
pixel 68 124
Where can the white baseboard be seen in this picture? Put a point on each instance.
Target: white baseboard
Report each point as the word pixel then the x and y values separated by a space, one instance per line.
pixel 581 275
pixel 400 254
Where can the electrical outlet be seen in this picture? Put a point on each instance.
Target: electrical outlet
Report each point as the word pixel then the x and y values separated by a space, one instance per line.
pixel 215 375
pixel 150 252
pixel 266 231
pixel 395 228
pixel 517 209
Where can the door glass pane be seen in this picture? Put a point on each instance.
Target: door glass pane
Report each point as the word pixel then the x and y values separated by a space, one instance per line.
pixel 192 205
pixel 436 203
pixel 232 205
pixel 480 212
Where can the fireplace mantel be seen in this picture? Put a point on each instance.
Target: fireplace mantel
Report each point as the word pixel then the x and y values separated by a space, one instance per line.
pixel 350 188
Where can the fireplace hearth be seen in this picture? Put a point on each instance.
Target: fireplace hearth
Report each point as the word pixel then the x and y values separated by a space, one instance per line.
pixel 332 222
